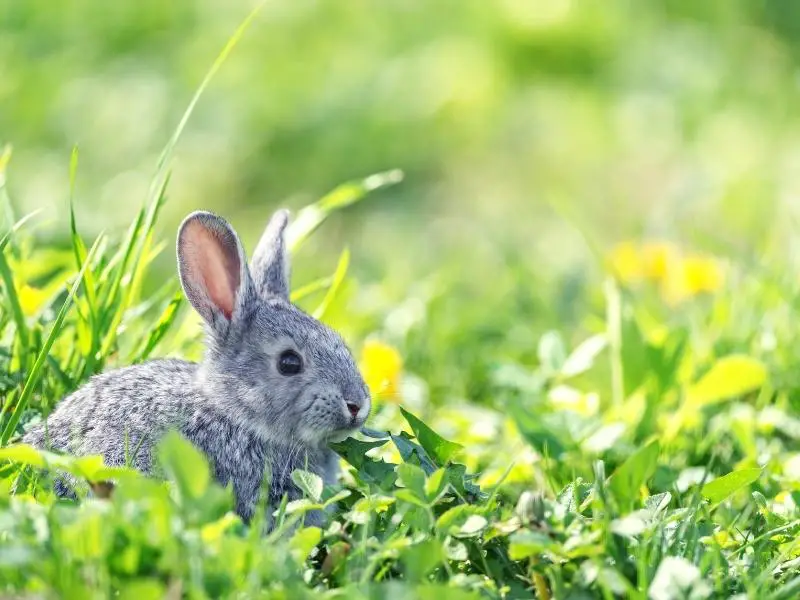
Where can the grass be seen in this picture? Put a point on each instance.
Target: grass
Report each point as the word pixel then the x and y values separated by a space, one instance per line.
pixel 645 450
pixel 672 487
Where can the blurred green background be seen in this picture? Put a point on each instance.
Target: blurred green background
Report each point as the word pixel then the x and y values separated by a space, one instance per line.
pixel 522 127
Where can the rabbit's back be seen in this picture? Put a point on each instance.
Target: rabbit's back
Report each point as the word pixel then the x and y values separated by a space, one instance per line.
pixel 122 413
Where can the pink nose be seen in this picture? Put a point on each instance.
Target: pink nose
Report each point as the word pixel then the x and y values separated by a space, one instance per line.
pixel 353 408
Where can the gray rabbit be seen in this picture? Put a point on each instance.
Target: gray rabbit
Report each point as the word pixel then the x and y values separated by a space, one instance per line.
pixel 274 387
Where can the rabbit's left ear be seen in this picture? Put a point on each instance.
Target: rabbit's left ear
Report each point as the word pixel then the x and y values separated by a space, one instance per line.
pixel 270 264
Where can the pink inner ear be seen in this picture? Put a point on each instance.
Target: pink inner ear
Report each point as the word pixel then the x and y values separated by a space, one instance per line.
pixel 215 265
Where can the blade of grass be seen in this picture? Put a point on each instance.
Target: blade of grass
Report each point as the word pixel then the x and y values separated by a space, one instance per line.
pixel 157 193
pixel 312 288
pixel 12 294
pixel 78 246
pixel 313 215
pixel 16 227
pixel 35 373
pixel 89 285
pixel 218 62
pixel 8 210
pixel 614 333
pixel 136 269
pixel 163 325
pixel 337 279
pixel 120 260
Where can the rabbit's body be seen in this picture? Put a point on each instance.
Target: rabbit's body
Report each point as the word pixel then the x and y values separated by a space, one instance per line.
pixel 275 385
pixel 148 399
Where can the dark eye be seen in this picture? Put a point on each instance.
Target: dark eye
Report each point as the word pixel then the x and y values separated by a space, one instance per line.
pixel 290 363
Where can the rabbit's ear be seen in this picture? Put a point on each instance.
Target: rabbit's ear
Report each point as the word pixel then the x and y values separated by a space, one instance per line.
pixel 270 264
pixel 213 269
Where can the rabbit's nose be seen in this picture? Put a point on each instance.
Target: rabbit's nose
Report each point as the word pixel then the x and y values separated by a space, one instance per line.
pixel 353 408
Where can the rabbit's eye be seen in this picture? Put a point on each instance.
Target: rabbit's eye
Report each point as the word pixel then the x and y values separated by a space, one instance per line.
pixel 290 363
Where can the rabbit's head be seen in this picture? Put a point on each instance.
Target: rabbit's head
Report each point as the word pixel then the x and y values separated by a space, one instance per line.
pixel 268 365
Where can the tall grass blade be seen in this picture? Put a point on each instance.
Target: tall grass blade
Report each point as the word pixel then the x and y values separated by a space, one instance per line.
pixel 313 215
pixel 35 374
pixel 12 294
pixel 313 287
pixel 165 322
pixel 8 210
pixel 143 229
pixel 337 279
pixel 89 286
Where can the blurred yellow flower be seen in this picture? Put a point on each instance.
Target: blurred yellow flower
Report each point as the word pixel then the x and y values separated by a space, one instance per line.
pixel 693 276
pixel 31 299
pixel 651 260
pixel 626 262
pixel 702 274
pixel 678 276
pixel 381 366
pixel 658 258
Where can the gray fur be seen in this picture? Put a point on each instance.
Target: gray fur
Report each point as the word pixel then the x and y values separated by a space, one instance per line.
pixel 269 265
pixel 235 405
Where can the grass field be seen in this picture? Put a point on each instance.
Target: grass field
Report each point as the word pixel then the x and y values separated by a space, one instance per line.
pixel 624 428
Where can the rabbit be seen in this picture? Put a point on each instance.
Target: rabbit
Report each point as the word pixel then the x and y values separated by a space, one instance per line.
pixel 274 387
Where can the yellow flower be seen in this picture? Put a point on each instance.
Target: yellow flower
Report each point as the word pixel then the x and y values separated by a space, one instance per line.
pixel 657 258
pixel 678 277
pixel 633 262
pixel 31 299
pixel 694 275
pixel 702 274
pixel 381 366
pixel 626 262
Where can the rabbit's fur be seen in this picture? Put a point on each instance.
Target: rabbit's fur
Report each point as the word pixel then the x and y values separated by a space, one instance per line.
pixel 235 405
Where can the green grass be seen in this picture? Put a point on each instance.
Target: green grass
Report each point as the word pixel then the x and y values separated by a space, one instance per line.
pixel 638 449
pixel 549 501
pixel 675 479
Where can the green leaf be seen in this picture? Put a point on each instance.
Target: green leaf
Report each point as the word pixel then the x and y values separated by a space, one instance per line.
pixel 435 445
pixel 413 478
pixel 551 351
pixel 719 489
pixel 677 579
pixel 142 589
pixel 524 544
pixel 303 542
pixel 463 483
pixel 411 451
pixel 23 454
pixel 473 526
pixel 361 513
pixel 355 451
pixel 461 518
pixel 337 497
pixel 184 464
pixel 310 483
pixel 634 472
pixel 583 357
pixel 633 354
pixel 420 559
pixel 546 434
pixel 432 591
pixel 436 484
pixel 407 495
pixel 729 377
